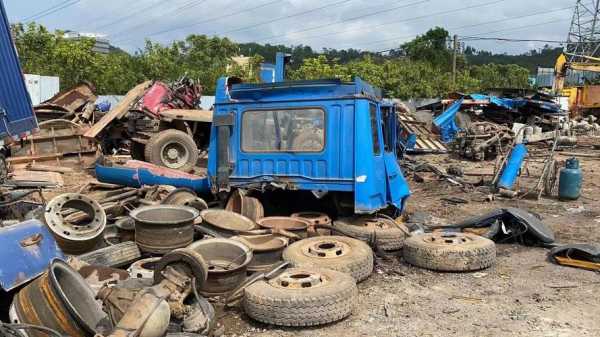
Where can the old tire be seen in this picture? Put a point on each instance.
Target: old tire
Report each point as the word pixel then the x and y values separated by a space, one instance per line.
pixel 3 169
pixel 173 149
pixel 389 235
pixel 449 251
pixel 301 297
pixel 339 253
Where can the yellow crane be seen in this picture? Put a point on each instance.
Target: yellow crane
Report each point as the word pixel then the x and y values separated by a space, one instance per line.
pixel 563 65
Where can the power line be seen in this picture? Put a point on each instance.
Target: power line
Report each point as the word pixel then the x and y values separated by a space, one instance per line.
pixel 470 38
pixel 183 7
pixel 164 31
pixel 285 17
pixel 51 10
pixel 498 31
pixel 371 27
pixel 133 14
pixel 471 25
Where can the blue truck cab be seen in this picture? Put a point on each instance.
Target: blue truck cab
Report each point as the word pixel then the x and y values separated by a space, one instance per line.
pixel 17 119
pixel 325 136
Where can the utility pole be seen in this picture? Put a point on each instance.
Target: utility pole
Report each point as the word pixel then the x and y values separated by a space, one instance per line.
pixel 454 56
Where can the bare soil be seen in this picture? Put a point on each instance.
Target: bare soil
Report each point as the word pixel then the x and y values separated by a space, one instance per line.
pixel 522 295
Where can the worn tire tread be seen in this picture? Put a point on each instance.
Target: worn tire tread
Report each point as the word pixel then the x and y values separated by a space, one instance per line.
pixel 156 141
pixel 302 307
pixel 479 254
pixel 358 263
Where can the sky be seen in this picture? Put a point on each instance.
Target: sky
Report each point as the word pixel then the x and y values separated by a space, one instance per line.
pixel 374 25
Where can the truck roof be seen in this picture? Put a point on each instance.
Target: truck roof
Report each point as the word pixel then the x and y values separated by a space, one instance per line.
pixel 298 91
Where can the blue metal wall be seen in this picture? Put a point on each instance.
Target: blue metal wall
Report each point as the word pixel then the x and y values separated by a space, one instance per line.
pixel 16 113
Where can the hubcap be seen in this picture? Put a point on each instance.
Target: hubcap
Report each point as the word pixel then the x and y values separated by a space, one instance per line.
pixel 174 155
pixel 298 279
pixel 326 249
pixel 448 238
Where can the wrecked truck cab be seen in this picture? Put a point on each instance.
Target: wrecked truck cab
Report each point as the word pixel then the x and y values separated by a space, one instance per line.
pixel 326 136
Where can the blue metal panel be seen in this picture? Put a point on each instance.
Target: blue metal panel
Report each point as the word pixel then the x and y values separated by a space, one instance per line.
pixel 16 113
pixel 370 188
pixel 27 250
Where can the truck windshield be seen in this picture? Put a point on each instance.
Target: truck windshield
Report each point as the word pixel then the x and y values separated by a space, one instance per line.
pixel 284 130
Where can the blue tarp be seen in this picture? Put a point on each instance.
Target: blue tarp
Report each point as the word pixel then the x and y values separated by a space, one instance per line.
pixel 446 122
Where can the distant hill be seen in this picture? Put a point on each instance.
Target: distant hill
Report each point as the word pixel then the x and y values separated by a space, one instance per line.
pixel 546 57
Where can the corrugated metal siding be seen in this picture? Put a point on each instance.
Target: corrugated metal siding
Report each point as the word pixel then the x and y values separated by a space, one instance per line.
pixel 14 99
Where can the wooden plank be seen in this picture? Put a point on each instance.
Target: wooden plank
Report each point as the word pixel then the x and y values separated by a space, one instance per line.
pixel 120 110
pixel 48 168
pixel 188 115
pixel 44 178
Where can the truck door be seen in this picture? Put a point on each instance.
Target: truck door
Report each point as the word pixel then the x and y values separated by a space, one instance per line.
pixel 370 174
pixel 16 113
pixel 397 188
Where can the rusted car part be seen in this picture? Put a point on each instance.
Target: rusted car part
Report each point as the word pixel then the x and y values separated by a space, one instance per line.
pixel 77 232
pixel 160 229
pixel 339 253
pixel 59 141
pixel 483 140
pixel 247 206
pixel 226 223
pixel 315 218
pixel 228 262
pixel 296 226
pixel 120 110
pixel 266 250
pixel 143 268
pixel 60 299
pixel 27 249
pixel 302 297
pixel 67 102
pixel 146 312
pixel 98 276
pixel 117 255
pixel 185 197
pixel 443 251
pixel 173 149
pixel 387 233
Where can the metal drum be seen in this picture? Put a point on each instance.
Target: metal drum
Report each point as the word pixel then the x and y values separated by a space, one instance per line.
pixel 60 299
pixel 160 229
pixel 227 261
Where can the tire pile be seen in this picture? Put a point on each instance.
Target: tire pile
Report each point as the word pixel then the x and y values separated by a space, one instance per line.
pixel 320 287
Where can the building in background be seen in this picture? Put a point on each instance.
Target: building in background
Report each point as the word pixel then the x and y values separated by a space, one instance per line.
pixel 102 45
pixel 41 88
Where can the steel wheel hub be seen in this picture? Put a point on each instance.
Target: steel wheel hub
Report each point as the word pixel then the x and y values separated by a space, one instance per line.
pixel 327 249
pixel 449 239
pixel 174 155
pixel 298 279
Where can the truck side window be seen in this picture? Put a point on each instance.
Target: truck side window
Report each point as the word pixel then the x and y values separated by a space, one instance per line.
pixel 284 130
pixel 387 135
pixel 374 129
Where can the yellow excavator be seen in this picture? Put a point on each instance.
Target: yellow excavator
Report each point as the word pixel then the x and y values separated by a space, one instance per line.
pixel 563 65
pixel 581 99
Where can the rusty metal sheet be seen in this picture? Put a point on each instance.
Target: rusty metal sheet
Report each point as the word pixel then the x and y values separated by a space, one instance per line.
pixel 27 250
pixel 427 142
pixel 70 100
pixel 58 140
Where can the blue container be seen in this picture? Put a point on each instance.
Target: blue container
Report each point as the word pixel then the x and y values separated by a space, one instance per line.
pixel 513 166
pixel 569 183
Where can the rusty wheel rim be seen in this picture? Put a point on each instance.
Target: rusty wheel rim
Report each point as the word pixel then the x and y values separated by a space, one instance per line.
pixel 448 239
pixel 299 279
pixel 326 249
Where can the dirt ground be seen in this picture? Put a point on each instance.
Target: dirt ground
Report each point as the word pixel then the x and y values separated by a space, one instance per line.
pixel 522 295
